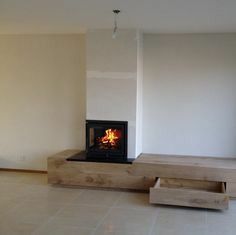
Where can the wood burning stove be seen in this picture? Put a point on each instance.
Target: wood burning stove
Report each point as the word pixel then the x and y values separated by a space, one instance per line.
pixel 106 139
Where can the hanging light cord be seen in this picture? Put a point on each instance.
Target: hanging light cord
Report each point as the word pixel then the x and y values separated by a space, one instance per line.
pixel 116 12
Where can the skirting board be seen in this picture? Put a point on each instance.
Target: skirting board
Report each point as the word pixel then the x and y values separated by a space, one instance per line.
pixel 23 170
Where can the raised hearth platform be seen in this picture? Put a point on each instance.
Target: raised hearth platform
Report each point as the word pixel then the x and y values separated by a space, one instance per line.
pixel 94 174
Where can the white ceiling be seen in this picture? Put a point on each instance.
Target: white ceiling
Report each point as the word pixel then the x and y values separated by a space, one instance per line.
pixel 158 16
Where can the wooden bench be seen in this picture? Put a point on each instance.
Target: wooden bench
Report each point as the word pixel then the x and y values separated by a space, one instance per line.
pixel 189 181
pixel 176 180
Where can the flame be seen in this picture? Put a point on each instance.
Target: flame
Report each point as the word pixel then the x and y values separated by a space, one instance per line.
pixel 111 137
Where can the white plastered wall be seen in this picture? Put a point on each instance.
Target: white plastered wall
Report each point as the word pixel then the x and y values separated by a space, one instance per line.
pixel 189 94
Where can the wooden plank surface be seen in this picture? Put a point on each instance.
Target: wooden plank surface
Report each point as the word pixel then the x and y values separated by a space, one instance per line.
pixel 162 194
pixel 94 174
pixel 231 189
pixel 185 167
pixel 142 173
pixel 209 186
pixel 214 162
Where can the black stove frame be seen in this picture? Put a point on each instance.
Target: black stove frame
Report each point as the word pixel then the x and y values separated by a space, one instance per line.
pixel 116 155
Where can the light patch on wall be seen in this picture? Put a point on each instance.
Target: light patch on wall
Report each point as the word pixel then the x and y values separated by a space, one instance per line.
pixel 111 75
pixel 42 98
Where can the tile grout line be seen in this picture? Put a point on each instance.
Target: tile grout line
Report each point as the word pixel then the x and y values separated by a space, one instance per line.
pixel 49 220
pixel 153 223
pixel 206 219
pixel 206 222
pixel 105 216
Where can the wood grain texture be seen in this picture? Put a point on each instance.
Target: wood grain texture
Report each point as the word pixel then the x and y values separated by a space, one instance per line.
pixel 185 167
pixel 231 189
pixel 209 186
pixel 188 195
pixel 94 174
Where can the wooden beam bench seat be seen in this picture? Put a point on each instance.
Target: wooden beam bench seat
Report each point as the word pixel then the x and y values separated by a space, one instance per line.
pixel 188 167
pixel 94 174
pixel 205 182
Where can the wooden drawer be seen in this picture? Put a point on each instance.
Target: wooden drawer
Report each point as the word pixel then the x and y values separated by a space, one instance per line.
pixel 192 193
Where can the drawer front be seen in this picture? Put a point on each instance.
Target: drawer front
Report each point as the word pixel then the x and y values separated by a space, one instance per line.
pixel 189 193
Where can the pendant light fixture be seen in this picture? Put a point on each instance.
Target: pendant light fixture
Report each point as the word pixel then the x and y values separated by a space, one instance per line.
pixel 114 33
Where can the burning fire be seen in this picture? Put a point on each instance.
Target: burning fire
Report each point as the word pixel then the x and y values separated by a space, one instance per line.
pixel 111 137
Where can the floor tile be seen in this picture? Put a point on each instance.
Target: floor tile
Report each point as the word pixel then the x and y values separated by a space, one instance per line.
pixel 221 222
pixel 129 220
pixel 118 231
pixel 174 216
pixel 11 177
pixel 135 200
pixel 32 213
pixel 97 197
pixel 80 216
pixel 12 190
pixel 55 229
pixel 179 220
pixel 17 228
pixel 181 230
pixel 34 178
pixel 40 194
pixel 29 206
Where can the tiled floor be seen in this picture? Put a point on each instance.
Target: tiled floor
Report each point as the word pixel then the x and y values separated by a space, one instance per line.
pixel 29 206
